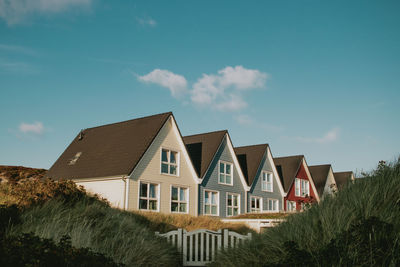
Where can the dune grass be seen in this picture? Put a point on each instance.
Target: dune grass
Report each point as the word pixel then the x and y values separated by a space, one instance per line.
pixel 358 226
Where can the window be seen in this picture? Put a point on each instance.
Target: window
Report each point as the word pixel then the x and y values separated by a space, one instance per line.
pixel 255 204
pixel 225 173
pixel 302 187
pixel 266 184
pixel 290 205
pixel 211 203
pixel 148 196
pixel 297 187
pixel 273 204
pixel 169 162
pixel 232 204
pixel 179 199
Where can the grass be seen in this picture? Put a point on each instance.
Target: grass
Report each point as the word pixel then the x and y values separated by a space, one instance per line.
pixel 278 215
pixel 359 226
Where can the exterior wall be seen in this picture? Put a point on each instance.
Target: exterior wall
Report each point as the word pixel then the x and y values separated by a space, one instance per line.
pixel 302 174
pixel 330 185
pixel 210 181
pixel 256 187
pixel 149 170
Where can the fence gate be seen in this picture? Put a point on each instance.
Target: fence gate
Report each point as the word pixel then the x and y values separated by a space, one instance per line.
pixel 200 247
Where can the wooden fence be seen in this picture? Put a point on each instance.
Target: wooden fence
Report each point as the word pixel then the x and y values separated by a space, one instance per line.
pixel 200 247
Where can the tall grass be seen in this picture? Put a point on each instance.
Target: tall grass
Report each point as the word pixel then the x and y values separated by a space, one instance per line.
pixel 92 224
pixel 358 226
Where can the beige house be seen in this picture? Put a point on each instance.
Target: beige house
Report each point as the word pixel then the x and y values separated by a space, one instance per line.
pixel 140 164
pixel 324 179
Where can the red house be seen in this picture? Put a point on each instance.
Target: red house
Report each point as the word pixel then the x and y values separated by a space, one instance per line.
pixel 297 182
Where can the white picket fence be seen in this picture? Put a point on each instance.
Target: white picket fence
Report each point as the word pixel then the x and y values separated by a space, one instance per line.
pixel 200 247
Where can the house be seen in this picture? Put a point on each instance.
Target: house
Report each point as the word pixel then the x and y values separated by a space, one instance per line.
pixel 222 191
pixel 266 193
pixel 297 182
pixel 342 178
pixel 140 164
pixel 324 179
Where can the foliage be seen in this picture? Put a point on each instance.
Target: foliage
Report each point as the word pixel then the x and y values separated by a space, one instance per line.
pixel 360 225
pixel 262 216
pixel 14 174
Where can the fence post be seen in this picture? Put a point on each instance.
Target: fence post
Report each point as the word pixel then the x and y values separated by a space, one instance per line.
pixel 179 238
pixel 184 247
pixel 226 240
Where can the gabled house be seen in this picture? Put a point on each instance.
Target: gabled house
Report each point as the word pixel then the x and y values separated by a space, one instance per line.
pixel 297 182
pixel 222 191
pixel 140 164
pixel 266 193
pixel 323 179
pixel 342 178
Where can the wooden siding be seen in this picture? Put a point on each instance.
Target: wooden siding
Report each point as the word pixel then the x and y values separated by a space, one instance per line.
pixel 149 170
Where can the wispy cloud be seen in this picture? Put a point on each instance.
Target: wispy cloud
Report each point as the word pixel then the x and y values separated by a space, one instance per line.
pixel 16 11
pixel 176 83
pixel 17 49
pixel 328 137
pixel 146 21
pixel 222 91
pixel 34 128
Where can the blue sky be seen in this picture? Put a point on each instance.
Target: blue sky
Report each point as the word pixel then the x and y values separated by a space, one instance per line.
pixel 319 78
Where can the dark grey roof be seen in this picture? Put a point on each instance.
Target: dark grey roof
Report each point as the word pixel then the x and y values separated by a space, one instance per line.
pixel 319 174
pixel 250 158
pixel 287 168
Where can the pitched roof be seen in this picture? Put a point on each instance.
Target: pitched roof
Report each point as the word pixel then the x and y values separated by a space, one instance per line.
pixel 319 174
pixel 202 148
pixel 250 158
pixel 108 150
pixel 342 178
pixel 287 168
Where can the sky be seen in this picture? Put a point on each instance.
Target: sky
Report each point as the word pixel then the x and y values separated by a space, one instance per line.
pixel 318 78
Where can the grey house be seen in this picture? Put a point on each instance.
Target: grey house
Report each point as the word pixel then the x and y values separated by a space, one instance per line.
pixel 222 191
pixel 266 192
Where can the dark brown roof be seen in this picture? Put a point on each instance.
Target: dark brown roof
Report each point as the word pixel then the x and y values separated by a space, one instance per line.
pixel 319 174
pixel 342 178
pixel 287 168
pixel 108 150
pixel 202 148
pixel 250 158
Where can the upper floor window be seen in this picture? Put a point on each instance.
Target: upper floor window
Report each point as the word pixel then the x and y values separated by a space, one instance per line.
pixel 302 187
pixel 225 173
pixel 169 162
pixel 266 184
pixel 179 199
pixel 211 203
pixel 232 205
pixel 148 196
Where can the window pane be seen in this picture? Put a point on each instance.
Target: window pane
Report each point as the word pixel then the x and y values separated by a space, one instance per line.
pixel 153 191
pixel 143 204
pixel 173 156
pixel 207 209
pixel 222 178
pixel 214 210
pixel 172 169
pixel 235 211
pixel 221 167
pixel 228 169
pixel 152 204
pixel 174 207
pixel 182 207
pixel 143 190
pixel 164 168
pixel 207 197
pixel 253 203
pixel 235 201
pixel 182 194
pixel 229 211
pixel 269 176
pixel 229 200
pixel 269 187
pixel 164 155
pixel 213 198
pixel 174 193
pixel 228 179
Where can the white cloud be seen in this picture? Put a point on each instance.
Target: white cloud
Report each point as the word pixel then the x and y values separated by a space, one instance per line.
pixel 16 11
pixel 233 103
pixel 147 21
pixel 244 120
pixel 36 128
pixel 176 83
pixel 329 137
pixel 241 78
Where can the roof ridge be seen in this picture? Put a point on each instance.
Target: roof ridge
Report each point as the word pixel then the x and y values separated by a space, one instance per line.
pixel 289 156
pixel 343 172
pixel 206 133
pixel 264 144
pixel 320 165
pixel 114 123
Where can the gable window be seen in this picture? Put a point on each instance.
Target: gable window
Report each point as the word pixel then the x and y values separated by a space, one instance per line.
pixel 302 187
pixel 290 205
pixel 148 196
pixel 273 204
pixel 256 203
pixel 297 187
pixel 211 202
pixel 169 162
pixel 232 204
pixel 266 183
pixel 225 173
pixel 179 199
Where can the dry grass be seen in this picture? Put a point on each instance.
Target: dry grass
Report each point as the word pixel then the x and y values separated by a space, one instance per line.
pixel 14 174
pixel 167 222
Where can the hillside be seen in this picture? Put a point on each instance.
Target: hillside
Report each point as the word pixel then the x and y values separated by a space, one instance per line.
pixel 14 174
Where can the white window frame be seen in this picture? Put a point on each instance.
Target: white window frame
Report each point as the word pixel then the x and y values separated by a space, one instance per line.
pixel 264 184
pixel 232 207
pixel 179 201
pixel 219 172
pixel 302 187
pixel 260 199
pixel 148 198
pixel 177 164
pixel 204 202
pixel 269 206
pixel 287 205
pixel 297 184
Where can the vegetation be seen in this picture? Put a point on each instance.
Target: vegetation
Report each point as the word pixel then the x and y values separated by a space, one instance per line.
pixel 277 215
pixel 14 174
pixel 358 226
